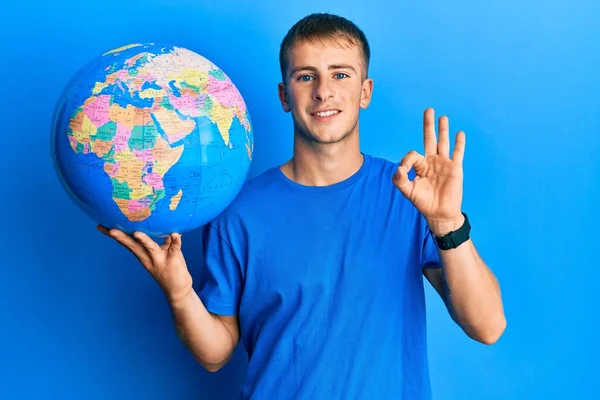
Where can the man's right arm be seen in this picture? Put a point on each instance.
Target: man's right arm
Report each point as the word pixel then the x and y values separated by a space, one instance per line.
pixel 210 338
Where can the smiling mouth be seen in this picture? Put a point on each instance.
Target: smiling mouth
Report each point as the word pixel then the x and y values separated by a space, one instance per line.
pixel 327 113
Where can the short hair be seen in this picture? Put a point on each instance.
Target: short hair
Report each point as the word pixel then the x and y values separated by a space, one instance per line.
pixel 320 26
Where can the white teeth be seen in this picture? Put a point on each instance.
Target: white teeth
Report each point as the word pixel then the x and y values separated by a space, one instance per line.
pixel 326 113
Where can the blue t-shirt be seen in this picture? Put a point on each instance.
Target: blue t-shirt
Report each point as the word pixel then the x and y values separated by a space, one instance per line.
pixel 327 283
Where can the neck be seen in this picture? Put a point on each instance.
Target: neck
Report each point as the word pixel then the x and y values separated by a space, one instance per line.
pixel 323 164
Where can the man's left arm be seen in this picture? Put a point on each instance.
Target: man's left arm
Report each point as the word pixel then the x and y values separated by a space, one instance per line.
pixel 466 284
pixel 468 287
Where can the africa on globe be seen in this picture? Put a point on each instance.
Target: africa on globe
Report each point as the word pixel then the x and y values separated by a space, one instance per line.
pixel 152 138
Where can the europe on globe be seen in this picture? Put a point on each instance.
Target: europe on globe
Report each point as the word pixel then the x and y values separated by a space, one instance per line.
pixel 152 138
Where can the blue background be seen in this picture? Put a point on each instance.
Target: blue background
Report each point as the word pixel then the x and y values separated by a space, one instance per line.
pixel 82 319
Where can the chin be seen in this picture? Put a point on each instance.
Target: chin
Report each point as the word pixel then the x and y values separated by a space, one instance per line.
pixel 325 136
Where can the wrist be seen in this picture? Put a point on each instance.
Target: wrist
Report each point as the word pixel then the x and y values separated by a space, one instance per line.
pixel 179 297
pixel 443 226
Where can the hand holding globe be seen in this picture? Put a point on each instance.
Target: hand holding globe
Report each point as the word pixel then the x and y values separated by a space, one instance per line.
pixel 164 262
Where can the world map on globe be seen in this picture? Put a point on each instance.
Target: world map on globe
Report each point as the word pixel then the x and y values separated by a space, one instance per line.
pixel 152 138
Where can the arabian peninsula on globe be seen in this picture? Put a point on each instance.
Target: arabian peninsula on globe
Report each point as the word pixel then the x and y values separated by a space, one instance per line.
pixel 152 138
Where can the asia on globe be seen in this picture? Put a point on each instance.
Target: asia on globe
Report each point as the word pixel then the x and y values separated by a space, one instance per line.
pixel 152 138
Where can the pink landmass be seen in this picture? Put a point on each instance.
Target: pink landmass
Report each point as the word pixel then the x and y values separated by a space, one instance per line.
pixel 73 142
pixel 147 77
pixel 111 169
pixel 185 104
pixel 123 74
pixel 225 93
pixel 135 206
pixel 228 96
pixel 154 180
pixel 121 138
pixel 144 155
pixel 98 110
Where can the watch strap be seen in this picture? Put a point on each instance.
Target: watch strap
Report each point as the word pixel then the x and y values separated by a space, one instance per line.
pixel 455 238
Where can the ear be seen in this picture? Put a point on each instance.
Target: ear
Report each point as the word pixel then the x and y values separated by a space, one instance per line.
pixel 283 98
pixel 366 93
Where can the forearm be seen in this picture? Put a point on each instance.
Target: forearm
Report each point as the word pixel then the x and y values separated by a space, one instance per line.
pixel 207 337
pixel 472 293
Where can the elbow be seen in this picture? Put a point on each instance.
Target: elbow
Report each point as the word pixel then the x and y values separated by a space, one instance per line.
pixel 212 367
pixel 491 333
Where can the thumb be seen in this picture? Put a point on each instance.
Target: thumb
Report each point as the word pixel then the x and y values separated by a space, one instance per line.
pixel 175 242
pixel 401 180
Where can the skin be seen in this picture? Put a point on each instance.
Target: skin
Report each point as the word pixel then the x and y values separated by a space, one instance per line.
pixel 325 75
pixel 330 75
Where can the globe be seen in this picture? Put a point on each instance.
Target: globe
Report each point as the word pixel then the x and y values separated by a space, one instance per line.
pixel 152 138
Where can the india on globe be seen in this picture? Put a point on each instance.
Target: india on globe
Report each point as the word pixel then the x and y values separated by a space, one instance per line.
pixel 151 138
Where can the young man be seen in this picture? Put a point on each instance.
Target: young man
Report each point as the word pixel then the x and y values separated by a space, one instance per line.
pixel 318 264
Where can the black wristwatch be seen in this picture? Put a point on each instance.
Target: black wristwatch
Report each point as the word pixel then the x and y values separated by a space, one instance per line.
pixel 455 238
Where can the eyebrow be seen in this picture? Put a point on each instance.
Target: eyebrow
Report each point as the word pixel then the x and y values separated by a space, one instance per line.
pixel 330 67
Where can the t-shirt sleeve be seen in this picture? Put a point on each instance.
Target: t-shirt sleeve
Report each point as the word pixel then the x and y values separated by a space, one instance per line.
pixel 430 257
pixel 220 280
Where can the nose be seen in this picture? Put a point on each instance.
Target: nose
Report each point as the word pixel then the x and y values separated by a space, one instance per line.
pixel 322 90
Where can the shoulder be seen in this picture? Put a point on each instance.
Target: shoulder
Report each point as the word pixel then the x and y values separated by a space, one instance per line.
pixel 376 162
pixel 379 173
pixel 255 189
pixel 384 194
pixel 384 168
pixel 252 196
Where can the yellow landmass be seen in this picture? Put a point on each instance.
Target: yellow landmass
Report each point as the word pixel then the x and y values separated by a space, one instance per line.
pixel 87 127
pixel 152 93
pixel 82 128
pixel 175 200
pixel 165 156
pixel 223 117
pixel 174 127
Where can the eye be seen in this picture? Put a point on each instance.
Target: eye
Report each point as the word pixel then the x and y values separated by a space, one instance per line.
pixel 305 78
pixel 341 75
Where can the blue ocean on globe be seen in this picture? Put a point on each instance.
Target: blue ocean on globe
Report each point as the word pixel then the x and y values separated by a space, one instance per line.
pixel 151 138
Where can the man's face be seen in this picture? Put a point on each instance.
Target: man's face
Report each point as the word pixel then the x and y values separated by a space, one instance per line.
pixel 324 90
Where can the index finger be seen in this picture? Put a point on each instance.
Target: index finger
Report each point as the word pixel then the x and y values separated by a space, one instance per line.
pixel 128 242
pixel 429 132
pixel 459 147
